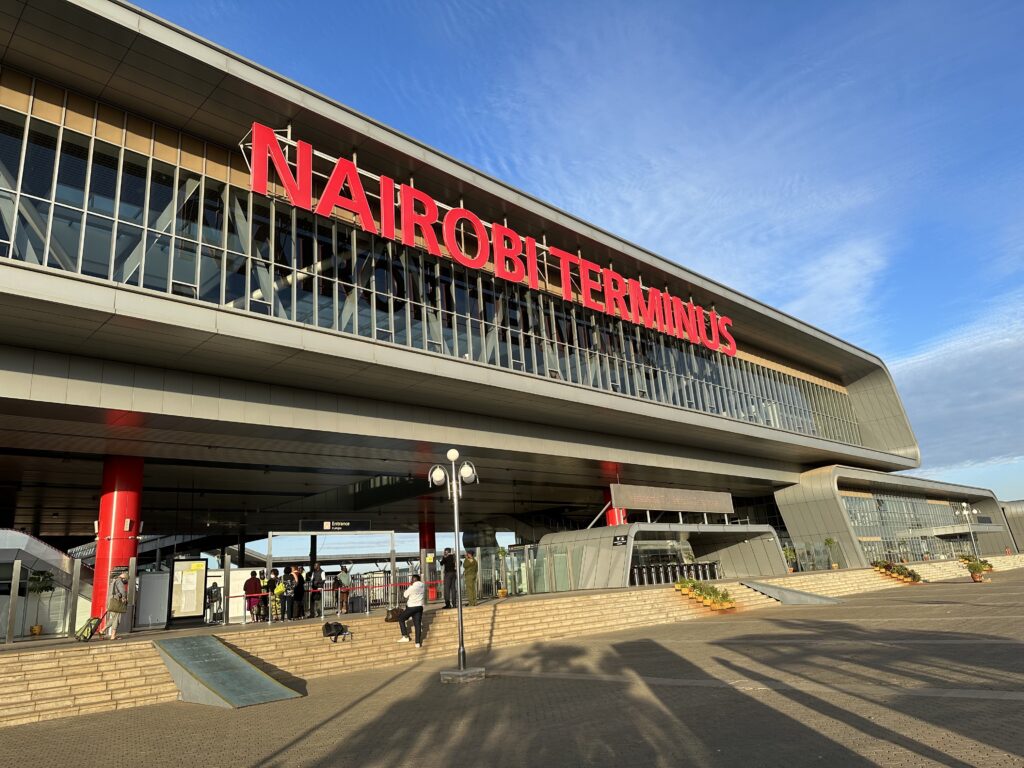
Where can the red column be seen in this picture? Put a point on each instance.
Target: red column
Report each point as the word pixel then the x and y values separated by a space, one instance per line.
pixel 613 515
pixel 118 528
pixel 428 533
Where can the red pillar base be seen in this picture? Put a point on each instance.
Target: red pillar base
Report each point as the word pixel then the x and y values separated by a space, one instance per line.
pixel 428 541
pixel 118 529
pixel 615 516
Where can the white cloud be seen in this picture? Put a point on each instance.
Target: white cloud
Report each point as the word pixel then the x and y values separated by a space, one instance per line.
pixel 963 392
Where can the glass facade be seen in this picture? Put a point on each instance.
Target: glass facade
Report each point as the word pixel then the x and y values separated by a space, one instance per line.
pixel 892 527
pixel 73 202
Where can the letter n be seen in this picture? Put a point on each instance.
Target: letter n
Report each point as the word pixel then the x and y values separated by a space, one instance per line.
pixel 265 147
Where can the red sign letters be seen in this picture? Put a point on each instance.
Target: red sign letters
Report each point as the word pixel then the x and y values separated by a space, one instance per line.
pixel 514 257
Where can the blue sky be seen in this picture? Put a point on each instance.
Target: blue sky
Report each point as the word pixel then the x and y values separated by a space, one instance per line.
pixel 859 165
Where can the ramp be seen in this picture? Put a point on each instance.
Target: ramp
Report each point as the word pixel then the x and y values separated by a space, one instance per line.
pixel 788 596
pixel 206 671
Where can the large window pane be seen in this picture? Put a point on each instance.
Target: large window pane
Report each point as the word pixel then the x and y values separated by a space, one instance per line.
pixel 39 159
pixel 158 257
pixel 305 298
pixel 260 229
pixel 128 254
pixel 213 213
pixel 96 247
pixel 283 235
pixel 161 196
pixel 6 218
pixel 103 181
pixel 238 220
pixel 304 251
pixel 71 172
pixel 28 241
pixel 184 270
pixel 12 133
pixel 283 279
pixel 234 284
pixel 261 287
pixel 210 267
pixel 188 205
pixel 65 235
pixel 133 188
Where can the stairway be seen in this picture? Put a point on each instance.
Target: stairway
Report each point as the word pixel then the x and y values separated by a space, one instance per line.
pixel 940 570
pixel 80 679
pixel 300 650
pixel 836 583
pixel 77 680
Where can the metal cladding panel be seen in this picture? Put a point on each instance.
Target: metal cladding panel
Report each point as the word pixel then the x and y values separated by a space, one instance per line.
pixel 670 499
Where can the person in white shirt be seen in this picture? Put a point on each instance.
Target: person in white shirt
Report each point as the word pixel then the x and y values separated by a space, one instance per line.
pixel 414 599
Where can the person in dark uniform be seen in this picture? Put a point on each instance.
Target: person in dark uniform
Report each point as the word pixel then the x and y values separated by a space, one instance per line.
pixel 450 571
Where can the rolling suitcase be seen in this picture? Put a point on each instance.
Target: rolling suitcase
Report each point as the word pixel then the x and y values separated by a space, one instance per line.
pixel 86 632
pixel 356 604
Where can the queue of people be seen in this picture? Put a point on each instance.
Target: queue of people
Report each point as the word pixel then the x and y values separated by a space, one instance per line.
pixel 297 593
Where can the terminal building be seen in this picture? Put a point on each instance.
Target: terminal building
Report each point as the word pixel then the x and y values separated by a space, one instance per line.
pixel 231 305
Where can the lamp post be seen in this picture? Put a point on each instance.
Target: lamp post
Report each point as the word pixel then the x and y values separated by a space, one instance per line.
pixel 966 510
pixel 440 475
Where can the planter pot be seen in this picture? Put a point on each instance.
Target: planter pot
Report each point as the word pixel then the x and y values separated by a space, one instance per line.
pixel 677 587
pixel 36 630
pixel 977 577
pixel 835 566
pixel 789 570
pixel 502 593
pixel 706 602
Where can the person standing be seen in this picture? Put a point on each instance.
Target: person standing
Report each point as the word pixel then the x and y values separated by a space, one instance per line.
pixel 450 574
pixel 470 570
pixel 252 588
pixel 298 604
pixel 117 605
pixel 288 596
pixel 414 598
pixel 316 586
pixel 274 593
pixel 344 586
pixel 264 608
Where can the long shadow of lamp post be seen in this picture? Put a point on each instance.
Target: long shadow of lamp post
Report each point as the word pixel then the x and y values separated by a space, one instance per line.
pixel 454 480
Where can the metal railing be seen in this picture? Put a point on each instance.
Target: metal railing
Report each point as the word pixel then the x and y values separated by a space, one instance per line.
pixel 643 575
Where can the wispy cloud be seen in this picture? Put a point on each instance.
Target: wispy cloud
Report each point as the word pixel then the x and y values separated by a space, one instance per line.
pixel 963 392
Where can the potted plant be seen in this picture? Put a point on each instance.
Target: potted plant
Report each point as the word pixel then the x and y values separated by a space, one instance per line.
pixel 40 583
pixel 502 585
pixel 790 554
pixel 831 544
pixel 976 569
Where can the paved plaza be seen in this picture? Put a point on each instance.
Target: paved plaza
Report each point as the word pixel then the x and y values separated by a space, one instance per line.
pixel 930 675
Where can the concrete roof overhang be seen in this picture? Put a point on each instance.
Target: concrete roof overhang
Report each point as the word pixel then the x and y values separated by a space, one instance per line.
pixel 117 53
pixel 854 479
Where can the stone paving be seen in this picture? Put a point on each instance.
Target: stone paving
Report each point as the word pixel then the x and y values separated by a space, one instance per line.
pixel 931 675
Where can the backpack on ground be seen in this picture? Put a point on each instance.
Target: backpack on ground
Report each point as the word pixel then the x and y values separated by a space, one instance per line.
pixel 334 630
pixel 392 614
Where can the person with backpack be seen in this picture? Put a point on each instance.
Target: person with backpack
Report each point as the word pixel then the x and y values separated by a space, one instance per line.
pixel 316 586
pixel 415 596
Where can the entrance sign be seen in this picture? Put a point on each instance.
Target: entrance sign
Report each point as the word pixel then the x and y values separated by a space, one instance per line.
pixel 494 246
pixel 671 499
